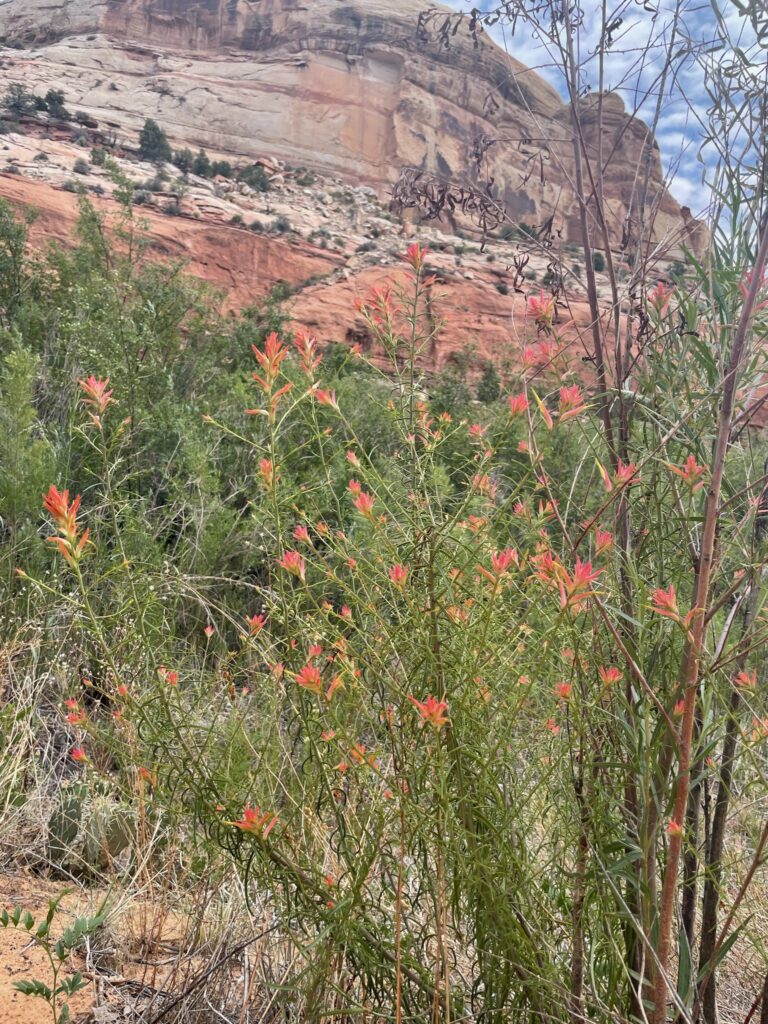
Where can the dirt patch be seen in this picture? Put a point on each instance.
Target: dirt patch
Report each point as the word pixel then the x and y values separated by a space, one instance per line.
pixel 22 959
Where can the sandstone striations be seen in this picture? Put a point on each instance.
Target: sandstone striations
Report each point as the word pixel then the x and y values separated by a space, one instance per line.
pixel 343 86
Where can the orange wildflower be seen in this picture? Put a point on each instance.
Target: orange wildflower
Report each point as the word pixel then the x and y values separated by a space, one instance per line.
pixel 432 711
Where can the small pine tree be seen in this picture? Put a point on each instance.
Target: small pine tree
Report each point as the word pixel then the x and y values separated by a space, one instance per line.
pixel 255 176
pixel 489 385
pixel 201 166
pixel 19 100
pixel 184 159
pixel 598 261
pixel 222 168
pixel 153 142
pixel 54 103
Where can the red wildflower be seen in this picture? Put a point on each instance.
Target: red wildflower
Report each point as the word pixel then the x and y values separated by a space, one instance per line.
pixel 690 472
pixel 96 397
pixel 603 541
pixel 337 683
pixel 432 711
pixel 665 602
pixel 301 533
pixel 269 361
pixel 625 474
pixel 746 680
pixel 415 255
pixel 78 754
pixel 502 560
pixel 623 477
pixel 352 459
pixel 309 677
pixel 563 690
pixel 571 403
pixel 399 575
pixel 660 298
pixel 76 714
pixel 609 674
pixel 209 631
pixel 326 398
pixel 364 504
pixel 307 349
pixel 551 726
pixel 70 542
pixel 293 562
pixel 256 623
pixel 255 822
pixel 575 588
pixel 542 309
pixel 674 828
pixel 355 487
pixel 518 404
pixel 267 471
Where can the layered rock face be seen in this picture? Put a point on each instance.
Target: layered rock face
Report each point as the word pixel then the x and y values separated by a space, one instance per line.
pixel 342 86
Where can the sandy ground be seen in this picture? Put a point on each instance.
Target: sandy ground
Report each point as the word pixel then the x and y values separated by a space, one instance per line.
pixel 22 959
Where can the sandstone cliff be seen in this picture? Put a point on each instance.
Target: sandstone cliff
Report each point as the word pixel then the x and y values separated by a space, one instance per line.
pixel 343 86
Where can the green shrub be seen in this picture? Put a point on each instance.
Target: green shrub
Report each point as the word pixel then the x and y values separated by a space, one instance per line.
pixel 18 100
pixel 153 143
pixel 201 165
pixel 255 177
pixel 184 159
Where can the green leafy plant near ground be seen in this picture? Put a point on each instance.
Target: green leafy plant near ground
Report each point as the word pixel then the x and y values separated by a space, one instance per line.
pixel 57 990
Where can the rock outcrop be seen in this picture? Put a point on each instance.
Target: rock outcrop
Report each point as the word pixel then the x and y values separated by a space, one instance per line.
pixel 342 86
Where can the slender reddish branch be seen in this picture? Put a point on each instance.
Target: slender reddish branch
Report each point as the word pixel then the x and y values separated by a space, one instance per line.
pixel 692 657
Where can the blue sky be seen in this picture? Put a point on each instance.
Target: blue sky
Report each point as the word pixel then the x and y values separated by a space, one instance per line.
pixel 633 68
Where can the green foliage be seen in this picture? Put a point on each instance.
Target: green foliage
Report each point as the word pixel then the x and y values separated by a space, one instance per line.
pixel 489 385
pixel 255 176
pixel 57 951
pixel 26 457
pixel 221 168
pixel 184 159
pixel 598 261
pixel 153 143
pixel 18 100
pixel 201 165
pixel 54 104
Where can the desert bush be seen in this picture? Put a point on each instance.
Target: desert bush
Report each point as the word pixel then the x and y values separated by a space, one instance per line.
pixel 18 100
pixel 153 143
pixel 184 159
pixel 202 164
pixel 54 104
pixel 436 689
pixel 255 176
